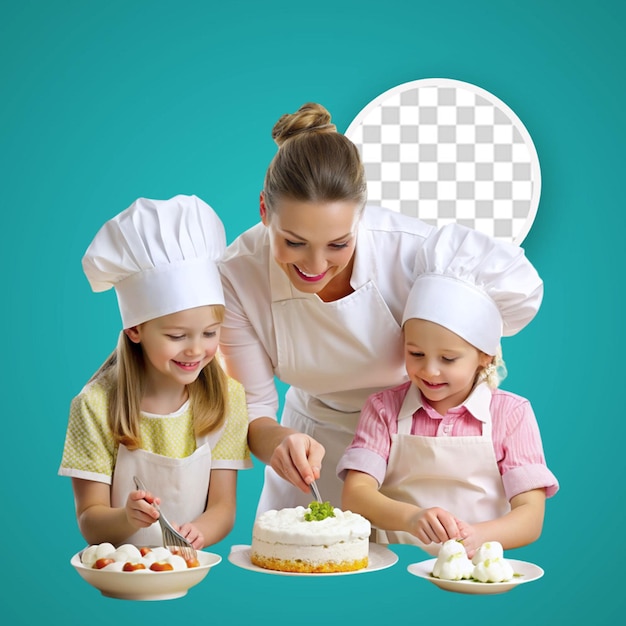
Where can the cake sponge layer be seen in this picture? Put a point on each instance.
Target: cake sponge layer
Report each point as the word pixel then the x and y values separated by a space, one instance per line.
pixel 302 567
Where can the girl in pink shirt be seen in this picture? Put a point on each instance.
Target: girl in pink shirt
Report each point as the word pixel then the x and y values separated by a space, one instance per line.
pixel 447 455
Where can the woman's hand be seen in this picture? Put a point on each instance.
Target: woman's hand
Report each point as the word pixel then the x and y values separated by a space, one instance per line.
pixel 294 456
pixel 298 459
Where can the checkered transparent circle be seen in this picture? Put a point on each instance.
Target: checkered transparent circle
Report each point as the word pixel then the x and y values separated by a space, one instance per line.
pixel 447 151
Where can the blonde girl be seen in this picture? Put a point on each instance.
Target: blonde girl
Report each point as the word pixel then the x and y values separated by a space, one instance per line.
pixel 448 455
pixel 160 407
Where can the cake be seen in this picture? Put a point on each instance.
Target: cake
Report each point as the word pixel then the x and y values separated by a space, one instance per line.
pixel 317 539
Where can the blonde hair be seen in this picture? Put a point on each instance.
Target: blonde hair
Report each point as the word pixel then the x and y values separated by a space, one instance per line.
pixel 125 367
pixel 314 162
pixel 494 373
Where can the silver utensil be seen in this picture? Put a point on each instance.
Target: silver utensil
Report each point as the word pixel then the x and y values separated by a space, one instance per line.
pixel 171 537
pixel 316 492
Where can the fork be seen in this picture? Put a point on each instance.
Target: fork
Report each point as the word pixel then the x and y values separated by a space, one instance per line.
pixel 315 491
pixel 171 537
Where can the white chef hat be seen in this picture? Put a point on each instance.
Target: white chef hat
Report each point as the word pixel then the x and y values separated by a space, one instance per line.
pixel 160 256
pixel 477 287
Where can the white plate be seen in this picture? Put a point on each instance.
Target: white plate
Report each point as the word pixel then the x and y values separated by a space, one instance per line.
pixel 146 585
pixel 525 573
pixel 380 557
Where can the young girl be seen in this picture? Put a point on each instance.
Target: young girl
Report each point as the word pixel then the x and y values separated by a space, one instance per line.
pixel 447 455
pixel 160 407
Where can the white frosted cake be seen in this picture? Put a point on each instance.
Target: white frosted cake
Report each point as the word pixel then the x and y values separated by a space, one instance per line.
pixel 319 539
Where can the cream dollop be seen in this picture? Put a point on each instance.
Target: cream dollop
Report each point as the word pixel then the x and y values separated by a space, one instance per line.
pixel 452 562
pixel 128 553
pixel 488 550
pixel 490 566
pixel 493 571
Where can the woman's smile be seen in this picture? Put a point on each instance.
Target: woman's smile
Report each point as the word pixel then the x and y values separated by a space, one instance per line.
pixel 311 278
pixel 313 242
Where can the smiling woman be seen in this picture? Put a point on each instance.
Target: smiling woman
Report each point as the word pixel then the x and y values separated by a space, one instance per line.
pixel 313 243
pixel 314 296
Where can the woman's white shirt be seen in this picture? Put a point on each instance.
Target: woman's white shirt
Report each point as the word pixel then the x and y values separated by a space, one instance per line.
pixel 387 244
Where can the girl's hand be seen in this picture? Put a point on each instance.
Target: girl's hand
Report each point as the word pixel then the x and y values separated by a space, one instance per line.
pixel 192 534
pixel 434 525
pixel 139 510
pixel 472 539
pixel 298 459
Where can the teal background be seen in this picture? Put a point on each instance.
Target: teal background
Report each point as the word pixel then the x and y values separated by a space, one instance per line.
pixel 102 102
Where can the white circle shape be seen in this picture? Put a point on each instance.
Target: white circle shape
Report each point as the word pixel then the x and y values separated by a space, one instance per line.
pixel 448 151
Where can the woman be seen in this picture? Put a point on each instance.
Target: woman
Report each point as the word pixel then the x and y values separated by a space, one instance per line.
pixel 314 297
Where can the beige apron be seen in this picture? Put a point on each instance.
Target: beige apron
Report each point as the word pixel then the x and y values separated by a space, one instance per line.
pixel 334 355
pixel 181 484
pixel 458 474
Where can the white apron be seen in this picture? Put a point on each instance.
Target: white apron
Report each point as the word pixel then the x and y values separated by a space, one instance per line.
pixel 181 484
pixel 334 355
pixel 458 474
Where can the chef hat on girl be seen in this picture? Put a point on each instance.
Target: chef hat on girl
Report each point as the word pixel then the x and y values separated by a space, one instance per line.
pixel 479 288
pixel 160 256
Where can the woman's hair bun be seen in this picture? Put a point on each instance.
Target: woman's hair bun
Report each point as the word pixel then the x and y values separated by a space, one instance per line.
pixel 310 117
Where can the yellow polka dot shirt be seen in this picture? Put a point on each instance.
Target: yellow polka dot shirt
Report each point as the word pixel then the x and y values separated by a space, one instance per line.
pixel 90 450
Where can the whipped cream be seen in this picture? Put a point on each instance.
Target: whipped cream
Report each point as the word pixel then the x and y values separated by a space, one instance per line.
pixel 452 562
pixel 489 550
pixel 488 564
pixel 493 571
pixel 289 524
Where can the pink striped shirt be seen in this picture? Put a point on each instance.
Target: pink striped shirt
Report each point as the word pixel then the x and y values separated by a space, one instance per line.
pixel 515 434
